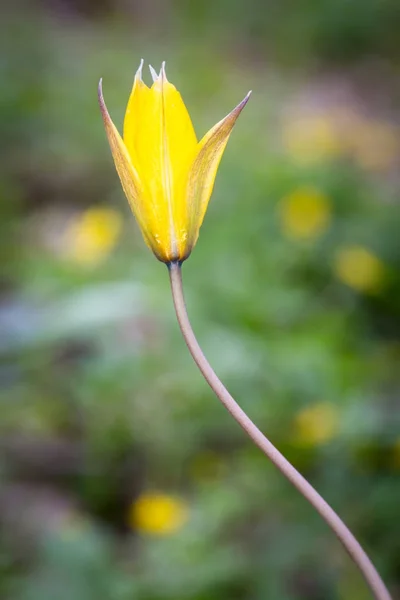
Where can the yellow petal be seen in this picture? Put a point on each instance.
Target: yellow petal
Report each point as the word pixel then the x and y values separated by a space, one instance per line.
pixel 204 170
pixel 161 141
pixel 134 110
pixel 129 177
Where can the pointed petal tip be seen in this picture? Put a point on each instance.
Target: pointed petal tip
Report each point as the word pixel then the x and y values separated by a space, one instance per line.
pixel 163 74
pixel 138 74
pixel 103 107
pixel 246 98
pixel 242 104
pixel 100 91
pixel 154 74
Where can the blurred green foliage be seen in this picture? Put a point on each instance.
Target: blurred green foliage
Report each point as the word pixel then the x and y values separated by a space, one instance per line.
pixel 293 289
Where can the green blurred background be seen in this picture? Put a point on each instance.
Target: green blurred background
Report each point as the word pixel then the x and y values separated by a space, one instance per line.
pixel 121 475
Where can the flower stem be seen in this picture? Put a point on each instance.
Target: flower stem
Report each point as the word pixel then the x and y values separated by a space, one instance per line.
pixel 348 540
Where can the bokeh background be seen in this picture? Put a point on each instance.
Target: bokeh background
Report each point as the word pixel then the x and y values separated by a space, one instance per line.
pixel 121 475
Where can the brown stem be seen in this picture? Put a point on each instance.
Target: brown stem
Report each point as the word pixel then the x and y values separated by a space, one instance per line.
pixel 348 540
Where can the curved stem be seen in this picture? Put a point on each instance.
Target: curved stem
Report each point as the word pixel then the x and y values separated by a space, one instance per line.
pixel 348 540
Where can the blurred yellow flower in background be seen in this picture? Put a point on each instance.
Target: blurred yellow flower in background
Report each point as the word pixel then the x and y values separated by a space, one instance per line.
pixel 305 213
pixel 317 424
pixel 310 139
pixel 373 143
pixel 358 268
pixel 158 514
pixel 92 235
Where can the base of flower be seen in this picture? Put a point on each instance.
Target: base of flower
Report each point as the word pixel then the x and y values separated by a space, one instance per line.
pixel 174 264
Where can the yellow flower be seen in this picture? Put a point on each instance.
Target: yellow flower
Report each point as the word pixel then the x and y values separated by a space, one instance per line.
pixel 317 424
pixel 158 514
pixel 358 268
pixel 91 237
pixel 305 213
pixel 166 174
